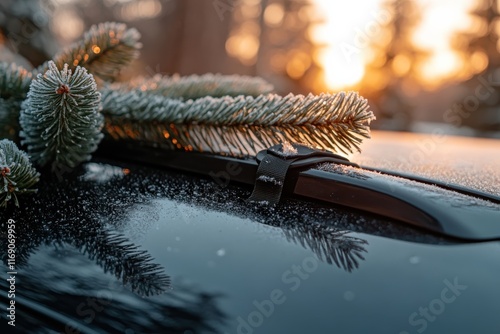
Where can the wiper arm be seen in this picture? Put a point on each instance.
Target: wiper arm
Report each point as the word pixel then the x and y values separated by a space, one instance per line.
pixel 447 209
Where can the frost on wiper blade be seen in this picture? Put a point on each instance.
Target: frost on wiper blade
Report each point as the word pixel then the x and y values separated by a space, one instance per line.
pixel 432 207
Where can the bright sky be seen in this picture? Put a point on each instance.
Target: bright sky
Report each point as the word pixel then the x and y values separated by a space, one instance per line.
pixel 349 26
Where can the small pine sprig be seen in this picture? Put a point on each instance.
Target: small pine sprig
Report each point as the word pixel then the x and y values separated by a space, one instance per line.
pixel 196 86
pixel 17 175
pixel 60 119
pixel 240 125
pixel 104 50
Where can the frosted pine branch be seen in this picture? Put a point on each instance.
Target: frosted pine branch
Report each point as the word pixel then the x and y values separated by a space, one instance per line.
pixel 17 175
pixel 60 121
pixel 104 50
pixel 196 86
pixel 239 125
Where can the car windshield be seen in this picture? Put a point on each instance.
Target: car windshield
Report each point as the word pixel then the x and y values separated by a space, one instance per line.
pixel 207 261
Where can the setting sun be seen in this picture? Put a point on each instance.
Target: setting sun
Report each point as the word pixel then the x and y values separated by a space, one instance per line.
pixel 346 32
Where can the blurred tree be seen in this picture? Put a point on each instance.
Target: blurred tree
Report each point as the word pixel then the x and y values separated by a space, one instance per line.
pixel 267 38
pixel 391 74
pixel 25 34
pixel 178 36
pixel 481 45
pixel 270 38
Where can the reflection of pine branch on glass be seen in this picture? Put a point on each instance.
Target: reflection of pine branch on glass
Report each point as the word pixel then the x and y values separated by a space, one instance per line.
pixel 332 246
pixel 135 268
pixel 112 251
pixel 76 215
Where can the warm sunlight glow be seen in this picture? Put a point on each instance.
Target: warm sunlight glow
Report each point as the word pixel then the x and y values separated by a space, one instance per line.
pixel 67 24
pixel 441 66
pixel 349 27
pixel 401 65
pixel 440 22
pixel 338 73
pixel 244 41
pixel 144 9
pixel 298 64
pixel 345 35
pixel 274 14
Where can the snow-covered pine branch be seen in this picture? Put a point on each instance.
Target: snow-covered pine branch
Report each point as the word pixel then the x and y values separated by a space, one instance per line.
pixel 239 125
pixel 17 175
pixel 60 119
pixel 196 86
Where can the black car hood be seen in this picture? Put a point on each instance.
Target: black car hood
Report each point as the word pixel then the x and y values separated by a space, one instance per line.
pixel 121 248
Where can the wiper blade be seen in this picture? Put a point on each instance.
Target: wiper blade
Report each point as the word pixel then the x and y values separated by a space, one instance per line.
pixel 443 208
pixel 445 185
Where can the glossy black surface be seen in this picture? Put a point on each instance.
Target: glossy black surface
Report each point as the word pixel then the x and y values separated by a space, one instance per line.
pixel 141 250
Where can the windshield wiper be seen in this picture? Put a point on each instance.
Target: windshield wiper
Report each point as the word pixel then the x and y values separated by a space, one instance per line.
pixel 447 209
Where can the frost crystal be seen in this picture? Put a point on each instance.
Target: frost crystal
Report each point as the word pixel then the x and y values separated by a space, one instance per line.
pixel 288 149
pixel 270 179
